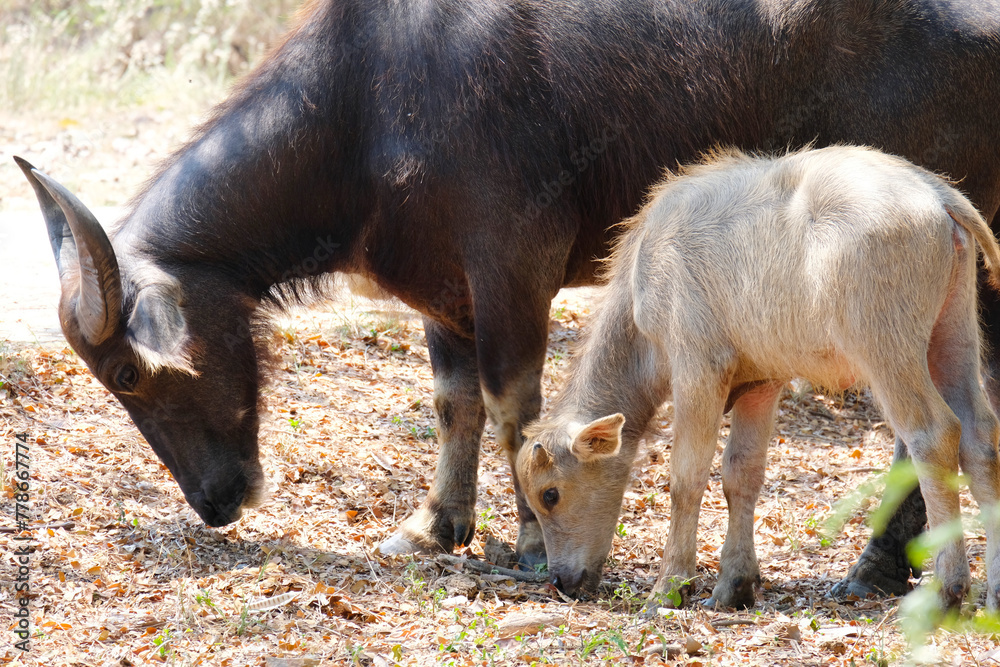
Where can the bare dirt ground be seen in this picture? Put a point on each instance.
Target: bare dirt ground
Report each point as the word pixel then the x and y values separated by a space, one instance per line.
pixel 124 573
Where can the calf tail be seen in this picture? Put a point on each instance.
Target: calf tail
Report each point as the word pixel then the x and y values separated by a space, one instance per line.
pixel 965 214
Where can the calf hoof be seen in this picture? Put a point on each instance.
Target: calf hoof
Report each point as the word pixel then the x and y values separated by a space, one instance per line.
pixel 736 593
pixel 993 599
pixel 429 532
pixel 673 595
pixel 953 596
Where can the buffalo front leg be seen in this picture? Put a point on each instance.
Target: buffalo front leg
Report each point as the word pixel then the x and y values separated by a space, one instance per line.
pixel 519 404
pixel 743 466
pixel 447 517
pixel 884 569
pixel 513 395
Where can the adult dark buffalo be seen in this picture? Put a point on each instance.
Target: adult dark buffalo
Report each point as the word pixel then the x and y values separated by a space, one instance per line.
pixel 469 156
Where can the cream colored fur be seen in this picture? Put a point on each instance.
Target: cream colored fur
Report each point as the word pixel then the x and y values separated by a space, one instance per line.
pixel 841 265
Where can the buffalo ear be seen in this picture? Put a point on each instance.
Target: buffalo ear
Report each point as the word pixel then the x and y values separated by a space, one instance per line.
pixel 599 439
pixel 157 329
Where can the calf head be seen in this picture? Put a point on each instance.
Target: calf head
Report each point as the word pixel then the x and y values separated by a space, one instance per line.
pixel 167 352
pixel 573 476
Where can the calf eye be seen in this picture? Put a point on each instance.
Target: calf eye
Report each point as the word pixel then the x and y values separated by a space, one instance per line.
pixel 550 498
pixel 127 378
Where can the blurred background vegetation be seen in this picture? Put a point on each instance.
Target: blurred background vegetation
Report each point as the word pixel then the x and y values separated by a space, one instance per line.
pixel 68 54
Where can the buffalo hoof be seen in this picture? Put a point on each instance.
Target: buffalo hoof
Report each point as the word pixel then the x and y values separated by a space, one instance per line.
pixel 884 569
pixel 873 576
pixel 532 562
pixel 399 544
pixel 429 532
pixel 530 546
pixel 736 593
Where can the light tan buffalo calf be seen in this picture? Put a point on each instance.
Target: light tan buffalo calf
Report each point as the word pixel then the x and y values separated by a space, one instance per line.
pixel 843 266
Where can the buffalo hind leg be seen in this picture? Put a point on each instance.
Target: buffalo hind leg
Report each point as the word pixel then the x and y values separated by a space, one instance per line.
pixel 884 569
pixel 447 517
pixel 743 466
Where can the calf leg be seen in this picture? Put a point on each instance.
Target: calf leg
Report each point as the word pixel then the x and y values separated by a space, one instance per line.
pixel 980 461
pixel 884 567
pixel 447 517
pixel 955 368
pixel 698 408
pixel 743 465
pixel 932 432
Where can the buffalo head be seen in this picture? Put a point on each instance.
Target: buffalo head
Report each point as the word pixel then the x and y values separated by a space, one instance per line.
pixel 573 476
pixel 172 343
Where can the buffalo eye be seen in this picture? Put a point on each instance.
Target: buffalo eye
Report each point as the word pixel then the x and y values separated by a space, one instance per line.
pixel 550 498
pixel 127 378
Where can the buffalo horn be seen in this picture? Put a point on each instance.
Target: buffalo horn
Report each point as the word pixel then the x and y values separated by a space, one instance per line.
pixel 73 227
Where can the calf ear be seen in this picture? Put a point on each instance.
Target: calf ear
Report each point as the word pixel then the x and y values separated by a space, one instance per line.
pixel 599 439
pixel 157 329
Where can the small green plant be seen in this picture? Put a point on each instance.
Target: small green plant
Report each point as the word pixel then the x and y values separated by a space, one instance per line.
pixel 295 423
pixel 477 636
pixel 162 642
pixel 874 656
pixel 123 518
pixel 485 517
pixel 417 585
pixel 623 591
pixel 436 599
pixel 356 651
pixel 630 601
pixel 244 620
pixel 426 433
pixel 675 594
pixel 610 637
pixel 205 600
pixel 816 528
pixel 620 531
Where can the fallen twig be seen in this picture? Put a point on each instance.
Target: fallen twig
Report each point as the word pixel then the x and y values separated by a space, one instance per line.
pixel 66 524
pixel 490 568
pixel 726 622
